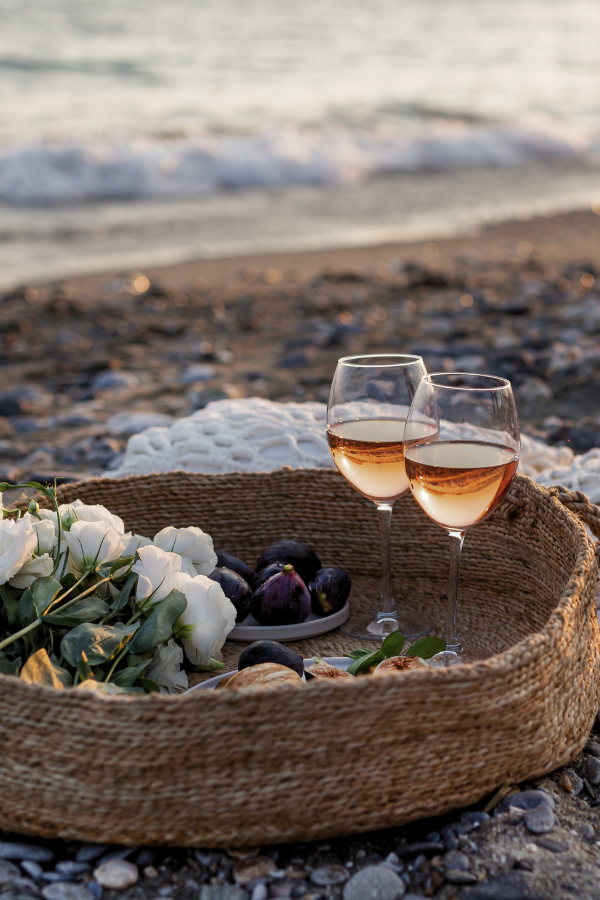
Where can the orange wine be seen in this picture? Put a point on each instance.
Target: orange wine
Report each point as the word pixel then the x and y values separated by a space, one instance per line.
pixel 459 483
pixel 370 455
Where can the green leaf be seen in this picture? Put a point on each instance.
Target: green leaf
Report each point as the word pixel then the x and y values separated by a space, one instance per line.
pixel 84 670
pixel 362 665
pixel 426 647
pixel 26 613
pixel 110 568
pixel 122 597
pixel 127 677
pixel 89 609
pixel 11 604
pixel 99 642
pixel 43 591
pixel 356 654
pixel 213 666
pixel 393 644
pixel 149 686
pixel 158 627
pixel 68 580
pixel 10 666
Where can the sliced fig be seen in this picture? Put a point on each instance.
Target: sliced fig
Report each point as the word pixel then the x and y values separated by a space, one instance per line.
pixel 397 665
pixel 329 589
pixel 282 600
pixel 265 677
pixel 304 560
pixel 324 671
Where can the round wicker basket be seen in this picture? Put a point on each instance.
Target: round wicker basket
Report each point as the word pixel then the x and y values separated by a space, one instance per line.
pixel 210 769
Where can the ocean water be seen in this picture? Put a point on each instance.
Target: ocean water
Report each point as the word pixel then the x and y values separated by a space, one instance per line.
pixel 140 100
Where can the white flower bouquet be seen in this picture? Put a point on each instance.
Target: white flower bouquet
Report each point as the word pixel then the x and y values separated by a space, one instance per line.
pixel 86 605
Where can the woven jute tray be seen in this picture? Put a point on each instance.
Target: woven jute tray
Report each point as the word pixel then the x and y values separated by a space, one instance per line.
pixel 210 769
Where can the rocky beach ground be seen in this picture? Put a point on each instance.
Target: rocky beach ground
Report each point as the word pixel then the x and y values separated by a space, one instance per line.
pixel 88 362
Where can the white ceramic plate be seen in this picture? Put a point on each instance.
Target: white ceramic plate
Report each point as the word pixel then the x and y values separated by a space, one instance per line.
pixel 340 662
pixel 249 630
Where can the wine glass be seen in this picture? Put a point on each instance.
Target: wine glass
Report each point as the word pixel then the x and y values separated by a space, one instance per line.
pixel 461 452
pixel 368 404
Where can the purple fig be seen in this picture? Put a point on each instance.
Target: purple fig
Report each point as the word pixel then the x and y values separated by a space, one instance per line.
pixel 304 560
pixel 282 600
pixel 266 573
pixel 329 590
pixel 270 651
pixel 236 589
pixel 226 560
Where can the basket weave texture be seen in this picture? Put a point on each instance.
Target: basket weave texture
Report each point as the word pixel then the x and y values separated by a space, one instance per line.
pixel 207 769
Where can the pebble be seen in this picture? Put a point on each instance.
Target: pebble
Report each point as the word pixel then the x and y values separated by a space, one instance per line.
pixel 197 372
pixel 96 889
pixel 429 847
pixel 458 876
pixel 33 869
pixel 25 399
pixel 145 857
pixel 128 423
pixel 326 875
pixel 508 887
pixel 64 890
pixel 575 780
pixel 539 820
pixel 116 874
pixel 25 851
pixel 282 889
pixel 591 770
pixel 474 817
pixel 26 885
pixel 8 872
pixel 113 380
pixel 150 872
pixel 524 800
pixel 457 860
pixel 223 892
pixel 54 876
pixel 587 831
pixel 90 852
pixel 553 846
pixel 247 870
pixel 72 868
pixel 259 892
pixel 374 883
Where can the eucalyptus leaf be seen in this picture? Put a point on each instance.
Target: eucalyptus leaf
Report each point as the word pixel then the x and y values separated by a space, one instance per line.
pixel 89 609
pixel 362 665
pixel 124 594
pixel 26 612
pixel 111 568
pixel 10 666
pixel 149 686
pixel 158 627
pixel 43 591
pixel 68 580
pixel 10 600
pixel 393 644
pixel 426 647
pixel 128 676
pixel 99 642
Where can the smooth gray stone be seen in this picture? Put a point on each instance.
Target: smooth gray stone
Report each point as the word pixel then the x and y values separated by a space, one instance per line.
pixel 25 851
pixel 458 876
pixel 8 872
pixel 54 876
pixel 553 846
pixel 65 890
pixel 326 875
pixel 26 884
pixel 454 859
pixel 591 770
pixel 72 868
pixel 374 883
pixel 223 892
pixel 508 887
pixel 33 869
pixel 539 820
pixel 524 800
pixel 474 817
pixel 95 889
pixel 90 852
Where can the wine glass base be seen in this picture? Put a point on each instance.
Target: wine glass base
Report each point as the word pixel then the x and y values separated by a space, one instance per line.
pixel 448 658
pixel 377 629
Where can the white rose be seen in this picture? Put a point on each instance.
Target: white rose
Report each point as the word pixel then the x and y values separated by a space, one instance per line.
pixel 165 668
pixel 133 542
pixel 94 513
pixel 45 531
pixel 93 543
pixel 18 542
pixel 191 542
pixel 37 567
pixel 208 618
pixel 158 571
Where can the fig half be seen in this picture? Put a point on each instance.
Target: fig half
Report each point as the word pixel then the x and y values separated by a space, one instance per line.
pixel 397 665
pixel 265 677
pixel 324 671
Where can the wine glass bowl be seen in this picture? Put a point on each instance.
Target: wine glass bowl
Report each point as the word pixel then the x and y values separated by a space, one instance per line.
pixel 369 401
pixel 461 454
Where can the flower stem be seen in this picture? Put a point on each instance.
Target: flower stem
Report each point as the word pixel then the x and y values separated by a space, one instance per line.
pixel 121 656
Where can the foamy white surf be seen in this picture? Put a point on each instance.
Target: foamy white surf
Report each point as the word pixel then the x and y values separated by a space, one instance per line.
pixel 149 169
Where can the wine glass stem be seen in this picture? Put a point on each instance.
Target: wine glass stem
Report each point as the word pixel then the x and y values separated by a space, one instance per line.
pixel 387 608
pixel 450 630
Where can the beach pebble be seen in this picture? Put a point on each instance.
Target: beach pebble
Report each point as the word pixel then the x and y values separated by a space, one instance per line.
pixel 259 892
pixel 474 817
pixel 64 890
pixel 25 851
pixel 25 887
pixel 25 399
pixel 552 845
pixel 95 889
pixel 114 380
pixel 539 820
pixel 326 875
pixel 524 800
pixel 222 892
pixel 8 872
pixel 128 423
pixel 33 869
pixel 116 874
pixel 374 883
pixel 591 770
pixel 459 876
pixel 508 887
pixel 72 868
pixel 247 870
pixel 454 859
pixel 197 372
pixel 90 852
